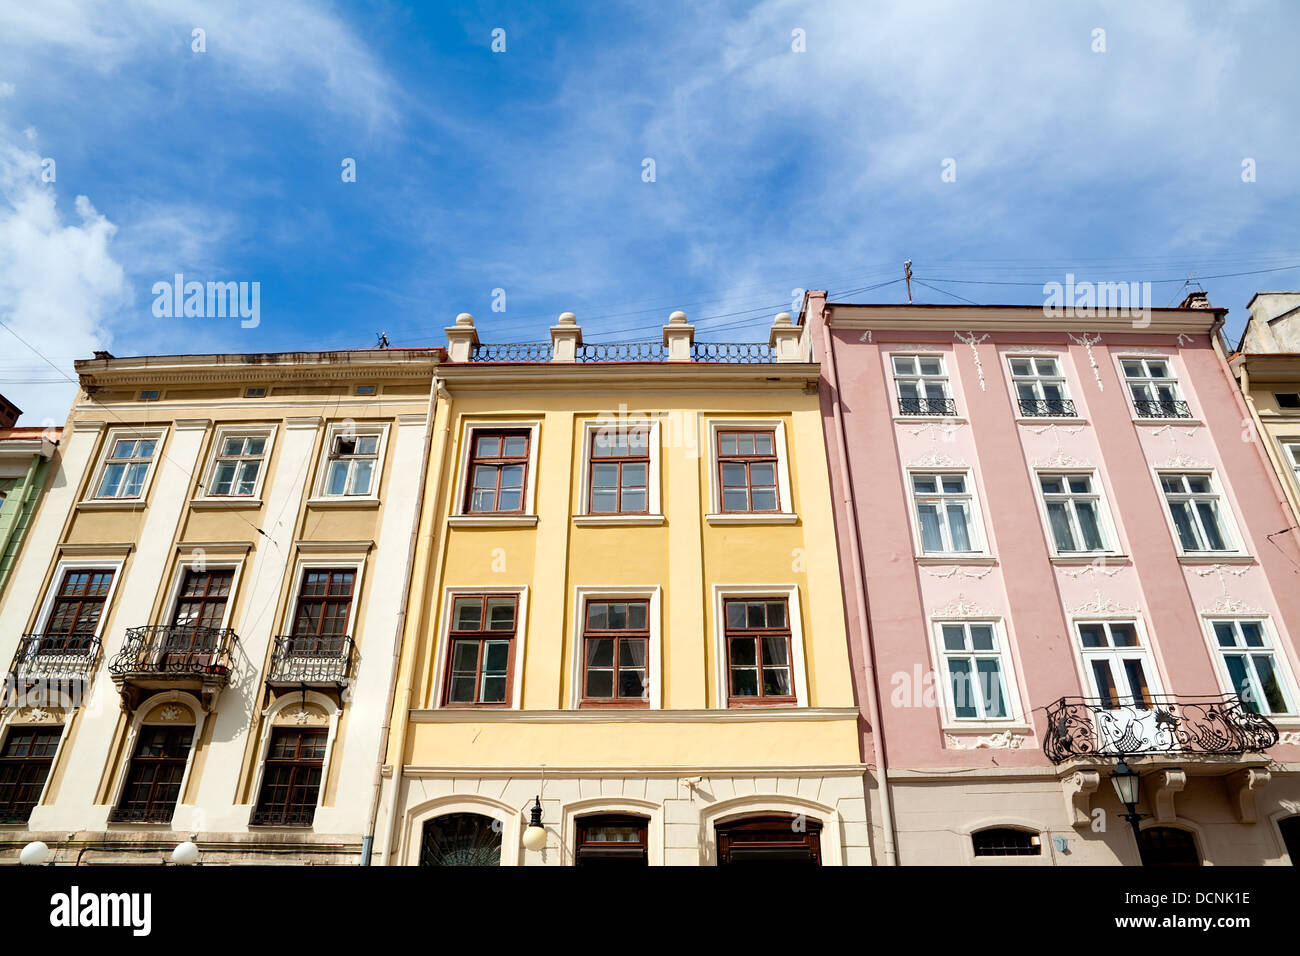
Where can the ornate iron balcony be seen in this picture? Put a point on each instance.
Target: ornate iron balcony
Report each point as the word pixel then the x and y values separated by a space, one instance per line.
pixel 311 660
pixel 1217 726
pixel 1047 408
pixel 736 353
pixel 54 657
pixel 282 816
pixel 175 651
pixel 927 406
pixel 1170 409
pixel 512 352
pixel 623 352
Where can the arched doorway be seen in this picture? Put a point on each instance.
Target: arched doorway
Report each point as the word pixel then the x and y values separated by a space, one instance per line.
pixel 770 838
pixel 1168 846
pixel 1290 828
pixel 461 839
pixel 611 839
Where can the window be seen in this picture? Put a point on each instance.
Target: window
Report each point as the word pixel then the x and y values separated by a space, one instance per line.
pixel 775 838
pixel 944 513
pixel 620 471
pixel 25 763
pixel 1074 513
pixel 480 655
pixel 1194 507
pixel 324 609
pixel 1292 457
pixel 747 469
pixel 153 779
pixel 759 664
pixel 616 638
pixel 922 385
pixel 291 778
pixel 1290 830
pixel 126 467
pixel 73 621
pixel 498 472
pixel 149 396
pixel 611 839
pixel 461 839
pixel 1154 389
pixel 1116 664
pixel 1167 846
pixel 7 485
pixel 1289 401
pixel 237 466
pixel 1246 650
pixel 1040 387
pixel 351 464
pixel 973 663
pixel 365 389
pixel 1006 841
pixel 255 393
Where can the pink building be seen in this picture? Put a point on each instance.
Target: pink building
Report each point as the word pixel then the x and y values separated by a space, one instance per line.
pixel 1061 545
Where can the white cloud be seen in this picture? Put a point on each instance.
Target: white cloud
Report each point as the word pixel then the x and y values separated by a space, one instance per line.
pixel 59 282
pixel 6 89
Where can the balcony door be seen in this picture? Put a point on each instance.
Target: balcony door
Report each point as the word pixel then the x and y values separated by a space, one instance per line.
pixel 191 641
pixel 1122 679
pixel 320 620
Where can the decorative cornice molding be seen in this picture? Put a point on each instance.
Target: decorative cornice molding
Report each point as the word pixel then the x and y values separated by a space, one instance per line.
pixel 1003 740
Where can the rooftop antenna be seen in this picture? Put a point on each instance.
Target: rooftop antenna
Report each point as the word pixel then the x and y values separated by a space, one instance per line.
pixel 907 275
pixel 383 339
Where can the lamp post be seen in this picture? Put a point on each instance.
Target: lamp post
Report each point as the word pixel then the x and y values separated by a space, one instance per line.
pixel 1128 787
pixel 185 854
pixel 535 835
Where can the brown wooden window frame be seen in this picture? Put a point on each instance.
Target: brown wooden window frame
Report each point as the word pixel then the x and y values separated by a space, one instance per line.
pixel 271 811
pixel 483 635
pixel 619 461
pixel 73 640
pixel 587 851
pixel 618 636
pixel 318 639
pixel 157 808
pixel 500 462
pixel 767 831
pixel 747 460
pixel 206 599
pixel 23 775
pixel 758 634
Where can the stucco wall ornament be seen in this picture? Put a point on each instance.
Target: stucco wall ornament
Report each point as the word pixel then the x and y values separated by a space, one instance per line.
pixel 957 571
pixel 1291 737
pixel 1092 569
pixel 1088 341
pixel 1006 740
pixel 961 606
pixel 1103 604
pixel 970 339
pixel 1060 458
pixel 1178 458
pixel 171 712
pixel 1226 604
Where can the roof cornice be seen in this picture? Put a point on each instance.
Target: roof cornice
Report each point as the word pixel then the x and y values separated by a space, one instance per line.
pixel 1015 318
pixel 544 375
pixel 259 367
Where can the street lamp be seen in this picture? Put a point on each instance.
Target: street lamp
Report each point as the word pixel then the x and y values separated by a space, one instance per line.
pixel 35 853
pixel 186 853
pixel 1128 787
pixel 535 835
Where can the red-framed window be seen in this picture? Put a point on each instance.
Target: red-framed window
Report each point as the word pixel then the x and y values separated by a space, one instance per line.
pixel 498 471
pixel 615 653
pixel 291 779
pixel 747 471
pixel 481 650
pixel 619 476
pixel 760 665
pixel 25 762
pixel 153 779
pixel 74 616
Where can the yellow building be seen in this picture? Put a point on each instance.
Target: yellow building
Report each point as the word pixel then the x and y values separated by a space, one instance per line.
pixel 625 601
pixel 203 624
pixel 1267 367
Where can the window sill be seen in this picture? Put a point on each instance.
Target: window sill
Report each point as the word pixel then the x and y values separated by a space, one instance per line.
pixel 616 520
pixel 1052 420
pixel 344 501
pixel 983 726
pixel 125 504
pixel 1168 421
pixel 931 557
pixel 214 504
pixel 492 521
pixel 1233 557
pixel 1092 557
pixel 757 518
pixel 950 419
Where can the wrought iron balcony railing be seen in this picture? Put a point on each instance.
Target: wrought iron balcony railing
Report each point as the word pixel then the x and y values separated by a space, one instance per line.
pixel 175 651
pixel 927 406
pixel 282 816
pixel 1216 726
pixel 1047 408
pixel 311 660
pixel 623 352
pixel 735 353
pixel 512 352
pixel 54 657
pixel 1168 409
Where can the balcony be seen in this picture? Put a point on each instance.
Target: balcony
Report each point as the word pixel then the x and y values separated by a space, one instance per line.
pixel 946 407
pixel 1047 408
pixel 174 657
pixel 319 662
pixel 730 353
pixel 1163 726
pixel 1167 409
pixel 51 669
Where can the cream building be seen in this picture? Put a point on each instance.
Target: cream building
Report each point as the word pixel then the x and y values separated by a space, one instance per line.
pixel 203 623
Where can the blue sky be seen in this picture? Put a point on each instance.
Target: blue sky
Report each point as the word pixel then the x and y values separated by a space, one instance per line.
pixel 522 170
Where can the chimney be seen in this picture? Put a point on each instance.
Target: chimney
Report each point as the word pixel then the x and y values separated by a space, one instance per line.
pixel 679 336
pixel 1198 299
pixel 566 336
pixel 784 338
pixel 461 338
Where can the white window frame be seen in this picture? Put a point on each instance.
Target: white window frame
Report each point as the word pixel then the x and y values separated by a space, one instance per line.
pixel 1291 456
pixel 654 507
pixel 654 620
pixel 194 563
pixel 1148 385
pixel 721 592
pixel 1036 380
pixel 942 378
pixel 449 595
pixel 1010 686
pixel 459 516
pixel 1105 520
pixel 716 515
pixel 157 435
pixel 979 539
pixel 341 429
pixel 51 590
pixel 1228 530
pixel 1273 646
pixel 223 432
pixel 1155 678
